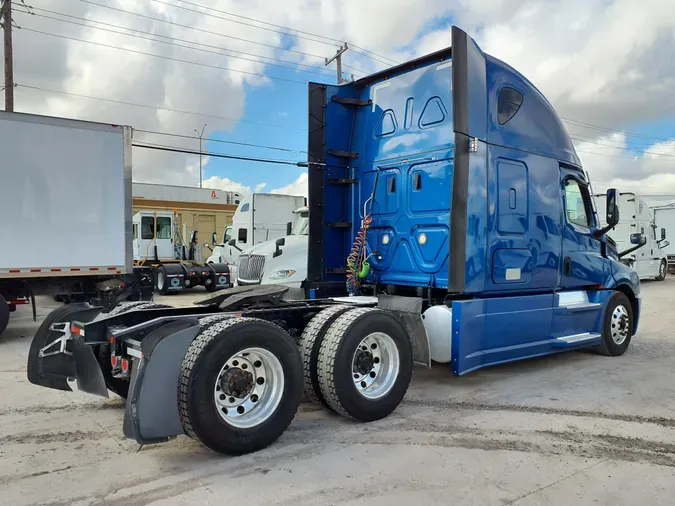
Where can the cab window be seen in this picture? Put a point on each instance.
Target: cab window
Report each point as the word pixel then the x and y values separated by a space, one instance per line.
pixel 242 236
pixel 163 227
pixel 147 227
pixel 228 235
pixel 576 204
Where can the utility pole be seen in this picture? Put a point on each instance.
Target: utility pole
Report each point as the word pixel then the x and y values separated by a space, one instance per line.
pixel 338 59
pixel 201 135
pixel 6 15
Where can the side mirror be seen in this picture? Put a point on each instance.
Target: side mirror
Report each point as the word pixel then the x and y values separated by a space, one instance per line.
pixel 664 244
pixel 214 239
pixel 231 242
pixel 207 245
pixel 289 228
pixel 663 234
pixel 638 239
pixel 612 210
pixel 279 242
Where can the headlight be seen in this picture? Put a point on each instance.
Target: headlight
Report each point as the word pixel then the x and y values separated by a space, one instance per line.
pixel 282 274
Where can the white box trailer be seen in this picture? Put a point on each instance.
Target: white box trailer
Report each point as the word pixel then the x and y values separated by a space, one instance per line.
pixel 66 204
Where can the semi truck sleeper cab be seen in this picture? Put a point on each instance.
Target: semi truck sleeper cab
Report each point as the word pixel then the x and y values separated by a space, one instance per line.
pixel 450 219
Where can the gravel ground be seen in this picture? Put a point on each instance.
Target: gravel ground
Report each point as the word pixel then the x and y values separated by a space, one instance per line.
pixel 575 428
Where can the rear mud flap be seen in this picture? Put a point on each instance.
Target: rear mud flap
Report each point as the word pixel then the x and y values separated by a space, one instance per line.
pixel 88 372
pixel 151 413
pixel 53 353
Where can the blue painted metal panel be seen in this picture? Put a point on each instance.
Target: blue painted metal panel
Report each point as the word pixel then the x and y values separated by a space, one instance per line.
pixel 536 128
pixel 477 222
pixel 491 331
pixel 573 321
pixel 542 237
pixel 512 197
pixel 513 266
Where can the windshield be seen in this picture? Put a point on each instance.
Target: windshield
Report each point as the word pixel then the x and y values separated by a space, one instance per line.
pixel 302 225
pixel 227 235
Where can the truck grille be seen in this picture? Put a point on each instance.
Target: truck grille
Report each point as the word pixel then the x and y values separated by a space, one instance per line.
pixel 250 269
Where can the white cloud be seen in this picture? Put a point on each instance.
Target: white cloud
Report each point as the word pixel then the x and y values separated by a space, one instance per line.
pixel 223 183
pixel 297 187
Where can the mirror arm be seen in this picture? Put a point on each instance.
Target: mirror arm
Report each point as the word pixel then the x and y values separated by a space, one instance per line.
pixel 630 250
pixel 602 231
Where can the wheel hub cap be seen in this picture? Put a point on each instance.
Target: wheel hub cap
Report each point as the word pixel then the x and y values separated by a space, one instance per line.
pixel 620 324
pixel 249 387
pixel 375 365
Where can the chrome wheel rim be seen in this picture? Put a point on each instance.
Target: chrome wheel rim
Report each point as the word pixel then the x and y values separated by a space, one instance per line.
pixel 662 270
pixel 375 365
pixel 249 388
pixel 619 324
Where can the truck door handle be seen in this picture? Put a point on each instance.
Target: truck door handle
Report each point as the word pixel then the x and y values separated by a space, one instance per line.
pixel 567 266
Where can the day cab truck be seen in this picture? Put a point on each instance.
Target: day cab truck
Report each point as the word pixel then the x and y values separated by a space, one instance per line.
pixel 664 217
pixel 450 220
pixel 649 261
pixel 65 202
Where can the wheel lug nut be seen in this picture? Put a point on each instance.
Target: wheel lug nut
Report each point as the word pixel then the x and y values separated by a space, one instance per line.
pixel 231 399
pixel 254 398
pixel 260 381
pixel 235 363
pixel 363 384
pixel 372 374
pixel 257 363
pixel 240 410
pixel 244 366
pixel 356 376
pixel 373 346
pixel 222 397
pixel 376 360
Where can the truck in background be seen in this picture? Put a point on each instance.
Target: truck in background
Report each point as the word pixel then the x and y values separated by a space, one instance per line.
pixel 664 218
pixel 282 261
pixel 649 261
pixel 65 200
pixel 158 244
pixel 260 217
pixel 450 220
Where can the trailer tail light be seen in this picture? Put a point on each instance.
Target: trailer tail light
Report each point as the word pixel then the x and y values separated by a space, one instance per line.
pixel 113 360
pixel 125 365
pixel 75 330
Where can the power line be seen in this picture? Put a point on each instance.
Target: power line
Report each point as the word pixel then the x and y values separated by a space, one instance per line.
pixel 625 148
pixel 294 152
pixel 606 129
pixel 201 29
pixel 363 52
pixel 170 58
pixel 633 158
pixel 319 70
pixel 162 147
pixel 206 115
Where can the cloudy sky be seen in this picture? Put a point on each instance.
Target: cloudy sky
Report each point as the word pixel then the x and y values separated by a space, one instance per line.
pixel 173 66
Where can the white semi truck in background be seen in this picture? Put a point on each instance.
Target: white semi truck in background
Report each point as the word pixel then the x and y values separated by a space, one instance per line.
pixel 664 217
pixel 282 261
pixel 635 216
pixel 65 202
pixel 259 218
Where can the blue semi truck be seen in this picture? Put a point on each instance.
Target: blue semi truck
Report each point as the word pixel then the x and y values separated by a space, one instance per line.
pixel 450 221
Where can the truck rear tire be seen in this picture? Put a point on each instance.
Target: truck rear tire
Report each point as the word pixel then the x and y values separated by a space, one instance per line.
pixel 240 385
pixel 663 268
pixel 365 364
pixel 120 386
pixel 4 314
pixel 617 326
pixel 310 343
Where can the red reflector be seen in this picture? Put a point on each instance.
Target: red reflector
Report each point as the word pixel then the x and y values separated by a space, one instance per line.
pixel 36 270
pixel 18 302
pixel 74 330
pixel 113 360
pixel 111 339
pixel 125 365
pixel 55 270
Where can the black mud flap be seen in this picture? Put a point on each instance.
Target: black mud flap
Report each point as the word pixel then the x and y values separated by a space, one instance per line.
pixel 52 356
pixel 87 370
pixel 151 413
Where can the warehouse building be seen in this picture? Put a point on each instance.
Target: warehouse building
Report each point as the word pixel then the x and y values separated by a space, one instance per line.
pixel 206 210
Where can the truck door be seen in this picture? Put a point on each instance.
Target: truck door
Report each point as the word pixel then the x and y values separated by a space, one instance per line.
pixel 582 262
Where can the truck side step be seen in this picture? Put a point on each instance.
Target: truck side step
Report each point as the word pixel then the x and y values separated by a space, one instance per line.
pixel 351 101
pixel 343 154
pixel 346 181
pixel 576 339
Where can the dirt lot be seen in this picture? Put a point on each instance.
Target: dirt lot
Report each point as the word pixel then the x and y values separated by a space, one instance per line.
pixel 576 428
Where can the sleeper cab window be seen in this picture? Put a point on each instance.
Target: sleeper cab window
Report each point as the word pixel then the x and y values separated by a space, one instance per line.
pixel 575 205
pixel 508 103
pixel 242 235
